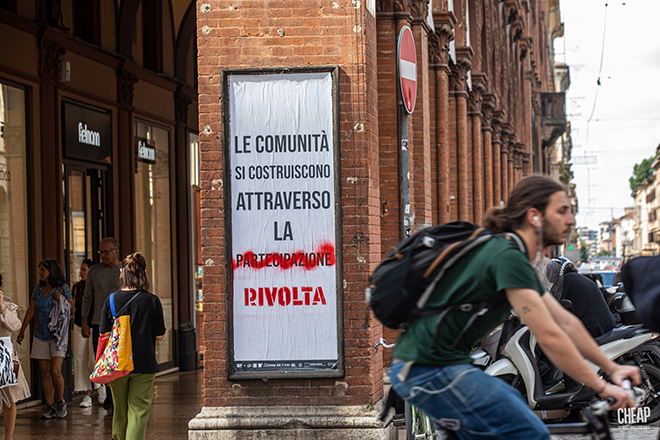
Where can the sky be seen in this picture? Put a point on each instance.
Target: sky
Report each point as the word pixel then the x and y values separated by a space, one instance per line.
pixel 616 124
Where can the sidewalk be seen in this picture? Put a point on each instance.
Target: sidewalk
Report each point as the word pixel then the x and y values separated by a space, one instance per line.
pixel 178 397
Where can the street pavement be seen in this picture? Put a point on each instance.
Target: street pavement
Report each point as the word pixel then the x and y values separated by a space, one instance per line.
pixel 626 433
pixel 178 397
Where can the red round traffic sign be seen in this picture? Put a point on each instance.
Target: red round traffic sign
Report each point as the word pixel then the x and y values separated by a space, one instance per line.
pixel 407 63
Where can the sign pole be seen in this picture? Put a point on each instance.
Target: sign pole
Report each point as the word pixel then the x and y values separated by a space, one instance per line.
pixel 404 173
pixel 407 68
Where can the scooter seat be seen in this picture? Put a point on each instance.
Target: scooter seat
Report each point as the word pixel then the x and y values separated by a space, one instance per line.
pixel 620 333
pixel 563 400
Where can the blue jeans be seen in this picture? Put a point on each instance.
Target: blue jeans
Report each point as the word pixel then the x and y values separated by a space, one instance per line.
pixel 466 400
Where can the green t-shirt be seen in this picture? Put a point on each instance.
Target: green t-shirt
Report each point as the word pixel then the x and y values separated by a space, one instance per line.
pixel 481 275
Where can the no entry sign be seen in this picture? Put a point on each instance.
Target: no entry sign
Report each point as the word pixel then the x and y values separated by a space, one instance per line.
pixel 407 62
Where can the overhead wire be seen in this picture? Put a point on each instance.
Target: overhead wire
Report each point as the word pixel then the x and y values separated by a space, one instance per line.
pixel 593 108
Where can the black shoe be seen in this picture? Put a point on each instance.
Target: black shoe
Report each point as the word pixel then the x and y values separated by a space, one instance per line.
pixel 60 409
pixel 50 413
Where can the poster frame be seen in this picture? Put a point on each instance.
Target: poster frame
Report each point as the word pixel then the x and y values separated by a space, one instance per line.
pixel 232 372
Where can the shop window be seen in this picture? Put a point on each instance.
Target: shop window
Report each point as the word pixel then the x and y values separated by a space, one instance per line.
pixel 152 216
pixel 14 256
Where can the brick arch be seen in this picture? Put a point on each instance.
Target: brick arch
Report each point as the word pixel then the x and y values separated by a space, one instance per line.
pixel 185 36
pixel 125 26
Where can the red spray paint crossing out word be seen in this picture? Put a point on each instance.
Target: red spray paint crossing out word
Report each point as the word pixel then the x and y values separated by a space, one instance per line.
pixel 284 296
pixel 323 256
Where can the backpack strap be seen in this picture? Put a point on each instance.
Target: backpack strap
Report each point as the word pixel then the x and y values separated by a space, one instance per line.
pixel 477 308
pixel 112 303
pixel 512 236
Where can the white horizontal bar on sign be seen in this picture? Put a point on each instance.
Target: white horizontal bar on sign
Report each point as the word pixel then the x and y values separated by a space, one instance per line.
pixel 408 70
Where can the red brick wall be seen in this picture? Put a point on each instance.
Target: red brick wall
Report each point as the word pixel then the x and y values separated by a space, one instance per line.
pixel 449 147
pixel 244 33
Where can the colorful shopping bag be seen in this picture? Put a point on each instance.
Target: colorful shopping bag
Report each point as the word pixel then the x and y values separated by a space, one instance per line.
pixel 114 354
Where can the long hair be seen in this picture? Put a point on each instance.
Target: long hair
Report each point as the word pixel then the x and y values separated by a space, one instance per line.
pixel 134 272
pixel 55 272
pixel 530 192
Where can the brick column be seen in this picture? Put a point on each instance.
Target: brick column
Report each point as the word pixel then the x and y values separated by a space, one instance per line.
pixel 438 53
pixel 459 73
pixel 528 76
pixel 498 117
pixel 487 136
pixel 478 87
pixel 504 160
pixel 310 33
pixel 420 136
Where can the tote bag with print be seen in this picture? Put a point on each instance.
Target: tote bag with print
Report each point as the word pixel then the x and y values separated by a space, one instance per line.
pixel 114 354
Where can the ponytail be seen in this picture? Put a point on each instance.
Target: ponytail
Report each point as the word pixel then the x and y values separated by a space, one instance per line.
pixel 530 192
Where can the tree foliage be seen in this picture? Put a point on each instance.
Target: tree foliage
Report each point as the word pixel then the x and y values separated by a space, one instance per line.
pixel 584 251
pixel 641 172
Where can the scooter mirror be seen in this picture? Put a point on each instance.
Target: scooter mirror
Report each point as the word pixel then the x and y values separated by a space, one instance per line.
pixel 567 303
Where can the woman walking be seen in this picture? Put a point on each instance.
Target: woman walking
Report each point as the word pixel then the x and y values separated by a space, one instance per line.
pixel 132 394
pixel 9 323
pixel 82 347
pixel 51 336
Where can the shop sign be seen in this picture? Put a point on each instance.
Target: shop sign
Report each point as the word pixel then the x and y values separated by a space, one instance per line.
pixel 145 150
pixel 87 133
pixel 282 153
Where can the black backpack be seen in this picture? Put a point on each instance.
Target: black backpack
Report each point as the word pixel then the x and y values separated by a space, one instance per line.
pixel 406 278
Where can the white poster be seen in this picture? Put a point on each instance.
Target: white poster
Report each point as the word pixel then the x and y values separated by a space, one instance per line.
pixel 283 221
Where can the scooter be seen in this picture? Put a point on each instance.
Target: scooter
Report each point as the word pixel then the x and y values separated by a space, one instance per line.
pixel 562 398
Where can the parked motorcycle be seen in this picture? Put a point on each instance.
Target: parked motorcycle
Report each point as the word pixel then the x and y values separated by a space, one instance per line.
pixel 561 398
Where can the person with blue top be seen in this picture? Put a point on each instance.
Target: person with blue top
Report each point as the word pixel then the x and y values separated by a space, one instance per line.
pixel 50 340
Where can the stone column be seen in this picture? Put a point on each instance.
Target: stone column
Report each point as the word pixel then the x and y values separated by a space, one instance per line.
pixel 52 242
pixel 126 164
pixel 187 353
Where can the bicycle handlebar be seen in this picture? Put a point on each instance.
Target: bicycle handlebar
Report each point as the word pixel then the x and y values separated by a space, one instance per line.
pixel 603 406
pixel 383 342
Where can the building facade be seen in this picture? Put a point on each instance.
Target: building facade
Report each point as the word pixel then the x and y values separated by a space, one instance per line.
pixel 487 113
pixel 98 121
pixel 647 211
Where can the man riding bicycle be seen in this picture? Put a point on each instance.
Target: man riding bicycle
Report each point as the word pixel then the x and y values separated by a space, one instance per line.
pixel 431 366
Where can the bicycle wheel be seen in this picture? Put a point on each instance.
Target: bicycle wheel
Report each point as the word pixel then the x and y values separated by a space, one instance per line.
pixel 418 425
